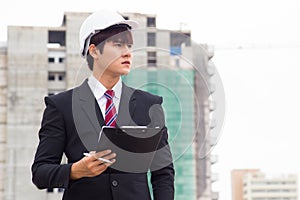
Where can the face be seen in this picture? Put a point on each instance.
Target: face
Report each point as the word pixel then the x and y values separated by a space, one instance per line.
pixel 115 59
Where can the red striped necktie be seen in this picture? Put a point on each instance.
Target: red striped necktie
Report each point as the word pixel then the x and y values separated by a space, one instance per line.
pixel 110 110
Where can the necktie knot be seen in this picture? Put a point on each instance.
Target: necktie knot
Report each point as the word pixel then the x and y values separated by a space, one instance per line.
pixel 109 94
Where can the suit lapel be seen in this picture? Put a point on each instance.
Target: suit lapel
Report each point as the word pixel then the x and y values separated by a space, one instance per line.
pixel 87 103
pixel 85 116
pixel 126 107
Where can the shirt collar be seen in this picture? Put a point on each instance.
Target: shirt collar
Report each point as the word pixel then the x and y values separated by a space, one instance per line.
pixel 98 88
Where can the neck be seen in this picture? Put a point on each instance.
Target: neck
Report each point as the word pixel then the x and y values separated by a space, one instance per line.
pixel 107 81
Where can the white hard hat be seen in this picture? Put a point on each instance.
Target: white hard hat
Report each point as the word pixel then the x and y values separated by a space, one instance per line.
pixel 97 21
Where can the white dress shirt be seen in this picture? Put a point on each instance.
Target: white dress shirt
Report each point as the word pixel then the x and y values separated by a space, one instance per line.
pixel 98 90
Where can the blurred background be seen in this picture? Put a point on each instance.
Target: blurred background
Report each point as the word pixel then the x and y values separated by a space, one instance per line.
pixel 247 50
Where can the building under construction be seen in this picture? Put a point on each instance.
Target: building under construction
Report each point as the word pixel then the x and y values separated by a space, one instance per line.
pixel 40 61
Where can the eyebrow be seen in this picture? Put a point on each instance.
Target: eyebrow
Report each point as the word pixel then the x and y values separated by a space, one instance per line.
pixel 122 39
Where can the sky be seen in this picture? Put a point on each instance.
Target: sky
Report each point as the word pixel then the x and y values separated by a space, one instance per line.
pixel 257 56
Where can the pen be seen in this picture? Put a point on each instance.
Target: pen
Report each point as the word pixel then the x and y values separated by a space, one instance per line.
pixel 101 159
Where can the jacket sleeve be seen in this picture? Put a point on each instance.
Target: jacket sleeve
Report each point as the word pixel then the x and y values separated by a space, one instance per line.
pixel 47 170
pixel 162 169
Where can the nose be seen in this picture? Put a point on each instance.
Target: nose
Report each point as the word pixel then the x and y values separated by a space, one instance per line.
pixel 126 51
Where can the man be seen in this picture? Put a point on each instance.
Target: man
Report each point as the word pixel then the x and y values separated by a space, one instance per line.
pixel 73 119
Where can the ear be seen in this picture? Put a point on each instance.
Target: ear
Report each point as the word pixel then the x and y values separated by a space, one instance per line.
pixel 93 50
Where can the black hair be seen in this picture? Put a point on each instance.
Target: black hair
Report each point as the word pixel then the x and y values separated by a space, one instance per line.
pixel 118 32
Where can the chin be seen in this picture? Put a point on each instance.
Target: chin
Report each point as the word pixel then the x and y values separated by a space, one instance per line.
pixel 125 72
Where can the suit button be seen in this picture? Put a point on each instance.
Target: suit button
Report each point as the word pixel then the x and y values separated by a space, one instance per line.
pixel 114 183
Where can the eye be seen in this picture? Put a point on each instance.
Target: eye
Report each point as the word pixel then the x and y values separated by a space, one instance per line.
pixel 129 46
pixel 118 44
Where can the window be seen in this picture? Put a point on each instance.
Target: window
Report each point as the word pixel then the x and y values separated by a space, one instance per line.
pixel 50 190
pixel 57 37
pixel 61 60
pixel 152 63
pixel 51 60
pixel 179 38
pixel 61 77
pixel 54 190
pixel 151 57
pixel 56 59
pixel 56 76
pixel 151 39
pixel 151 22
pixel 51 77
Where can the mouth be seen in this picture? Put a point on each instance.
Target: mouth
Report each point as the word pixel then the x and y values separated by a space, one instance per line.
pixel 126 62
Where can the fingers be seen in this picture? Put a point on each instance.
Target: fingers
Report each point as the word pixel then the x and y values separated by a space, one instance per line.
pixel 92 166
pixel 109 157
pixel 99 169
pixel 100 154
pixel 104 155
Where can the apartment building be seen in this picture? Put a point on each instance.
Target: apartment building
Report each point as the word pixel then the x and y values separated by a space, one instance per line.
pixel 251 184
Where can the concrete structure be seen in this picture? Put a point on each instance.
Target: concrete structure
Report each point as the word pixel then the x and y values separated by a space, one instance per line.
pixel 255 185
pixel 3 105
pixel 41 61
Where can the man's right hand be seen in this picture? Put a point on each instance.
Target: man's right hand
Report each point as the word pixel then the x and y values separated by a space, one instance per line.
pixel 90 166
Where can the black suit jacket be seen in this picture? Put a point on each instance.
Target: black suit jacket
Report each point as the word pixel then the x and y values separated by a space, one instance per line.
pixel 71 124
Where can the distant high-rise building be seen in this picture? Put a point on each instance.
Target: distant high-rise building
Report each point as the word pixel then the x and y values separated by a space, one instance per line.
pixel 251 184
pixel 41 61
pixel 237 184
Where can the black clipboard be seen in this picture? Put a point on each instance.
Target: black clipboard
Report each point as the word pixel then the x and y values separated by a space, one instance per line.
pixel 136 139
pixel 135 146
